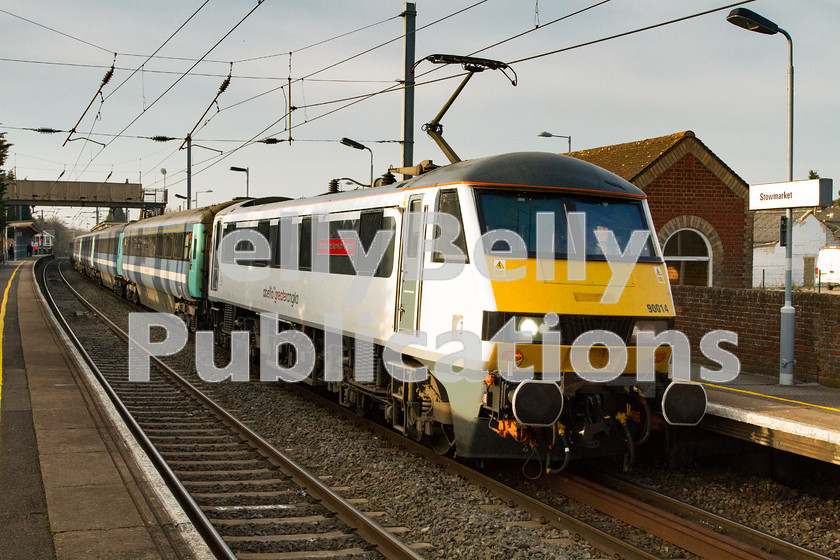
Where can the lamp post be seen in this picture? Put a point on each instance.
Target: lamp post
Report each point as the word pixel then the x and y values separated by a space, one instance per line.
pixel 163 172
pixel 751 21
pixel 246 171
pixel 199 192
pixel 546 134
pixel 358 146
pixel 194 200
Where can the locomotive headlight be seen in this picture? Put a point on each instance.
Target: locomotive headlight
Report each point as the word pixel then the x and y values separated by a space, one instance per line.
pixel 651 325
pixel 528 325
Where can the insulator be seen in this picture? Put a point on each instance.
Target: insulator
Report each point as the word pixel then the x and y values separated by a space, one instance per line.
pixel 45 130
pixel 161 138
pixel 333 188
pixel 387 179
pixel 107 77
pixel 224 85
pixel 270 141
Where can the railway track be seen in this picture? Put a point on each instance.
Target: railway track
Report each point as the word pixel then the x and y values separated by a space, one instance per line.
pixel 246 498
pixel 688 528
pixel 706 534
pixel 691 529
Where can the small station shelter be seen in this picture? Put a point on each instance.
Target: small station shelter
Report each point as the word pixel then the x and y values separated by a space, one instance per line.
pixel 700 207
pixel 20 235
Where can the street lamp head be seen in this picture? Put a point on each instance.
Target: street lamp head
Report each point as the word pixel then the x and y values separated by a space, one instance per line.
pixel 182 197
pixel 545 134
pixel 751 21
pixel 353 144
pixel 242 169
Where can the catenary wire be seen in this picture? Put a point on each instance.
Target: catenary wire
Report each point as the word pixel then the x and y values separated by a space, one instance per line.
pixel 359 99
pixel 57 31
pixel 180 27
pixel 225 36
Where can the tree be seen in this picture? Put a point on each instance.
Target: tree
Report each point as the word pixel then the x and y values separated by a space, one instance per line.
pixel 63 235
pixel 116 215
pixel 4 177
pixel 813 174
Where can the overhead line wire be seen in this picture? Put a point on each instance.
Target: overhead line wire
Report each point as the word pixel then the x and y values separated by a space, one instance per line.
pixel 329 67
pixel 359 99
pixel 143 112
pixel 158 49
pixel 56 31
pixel 632 32
pixel 319 42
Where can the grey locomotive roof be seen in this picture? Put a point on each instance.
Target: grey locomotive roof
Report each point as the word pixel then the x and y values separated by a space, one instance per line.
pixel 528 169
pixel 536 169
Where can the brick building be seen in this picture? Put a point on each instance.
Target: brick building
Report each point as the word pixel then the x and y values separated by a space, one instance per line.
pixel 700 207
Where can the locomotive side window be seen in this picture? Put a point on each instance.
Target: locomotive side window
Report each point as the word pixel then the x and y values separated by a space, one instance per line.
pixel 386 265
pixel 305 253
pixel 287 243
pixel 263 229
pixel 448 203
pixel 370 222
pixel 274 242
pixel 339 251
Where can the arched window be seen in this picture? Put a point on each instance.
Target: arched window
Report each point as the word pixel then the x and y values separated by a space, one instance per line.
pixel 688 256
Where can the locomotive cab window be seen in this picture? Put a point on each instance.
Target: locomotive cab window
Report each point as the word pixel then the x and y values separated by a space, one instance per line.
pixel 517 211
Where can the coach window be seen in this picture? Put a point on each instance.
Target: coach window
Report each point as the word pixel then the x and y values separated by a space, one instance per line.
pixel 448 204
pixel 688 258
pixel 166 251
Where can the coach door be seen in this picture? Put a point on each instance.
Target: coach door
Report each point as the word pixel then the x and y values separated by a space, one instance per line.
pixel 411 264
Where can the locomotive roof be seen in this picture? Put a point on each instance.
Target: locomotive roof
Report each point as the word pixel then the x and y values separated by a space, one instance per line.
pixel 529 169
pixel 520 169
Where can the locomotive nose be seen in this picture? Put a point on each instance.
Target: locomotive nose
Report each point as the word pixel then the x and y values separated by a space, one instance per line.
pixel 684 404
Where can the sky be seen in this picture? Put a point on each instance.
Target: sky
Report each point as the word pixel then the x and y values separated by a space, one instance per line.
pixel 726 84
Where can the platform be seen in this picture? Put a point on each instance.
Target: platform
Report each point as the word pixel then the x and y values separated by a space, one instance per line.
pixel 72 487
pixel 803 418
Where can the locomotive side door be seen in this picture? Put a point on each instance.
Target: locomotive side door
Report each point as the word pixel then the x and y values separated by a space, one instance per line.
pixel 411 265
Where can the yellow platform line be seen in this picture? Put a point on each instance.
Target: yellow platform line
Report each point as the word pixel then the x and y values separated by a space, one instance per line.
pixel 3 326
pixel 772 397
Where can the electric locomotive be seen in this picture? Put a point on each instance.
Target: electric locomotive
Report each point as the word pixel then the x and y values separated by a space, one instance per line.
pixel 479 358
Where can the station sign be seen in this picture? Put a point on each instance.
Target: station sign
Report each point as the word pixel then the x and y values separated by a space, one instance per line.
pixel 792 194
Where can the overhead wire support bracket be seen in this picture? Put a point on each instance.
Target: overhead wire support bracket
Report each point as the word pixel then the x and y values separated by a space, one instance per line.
pixel 222 89
pixel 472 65
pixel 107 78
